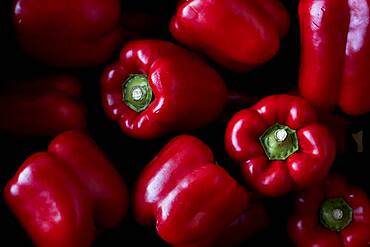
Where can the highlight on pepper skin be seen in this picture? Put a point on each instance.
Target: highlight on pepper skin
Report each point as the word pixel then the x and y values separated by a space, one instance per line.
pixel 157 88
pixel 335 35
pixel 280 145
pixel 238 35
pixel 331 213
pixel 64 196
pixel 193 201
pixel 200 141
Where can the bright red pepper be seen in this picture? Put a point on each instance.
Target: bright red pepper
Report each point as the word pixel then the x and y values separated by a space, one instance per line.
pixel 45 107
pixel 237 34
pixel 331 214
pixel 192 200
pixel 68 33
pixel 280 145
pixel 157 87
pixel 63 196
pixel 335 37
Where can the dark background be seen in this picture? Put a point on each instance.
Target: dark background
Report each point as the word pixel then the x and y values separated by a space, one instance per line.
pixel 129 155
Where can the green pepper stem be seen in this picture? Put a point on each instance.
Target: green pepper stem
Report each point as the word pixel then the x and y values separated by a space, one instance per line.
pixel 279 142
pixel 137 93
pixel 335 214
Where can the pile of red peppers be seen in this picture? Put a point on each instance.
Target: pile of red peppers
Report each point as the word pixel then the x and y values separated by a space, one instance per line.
pixel 190 123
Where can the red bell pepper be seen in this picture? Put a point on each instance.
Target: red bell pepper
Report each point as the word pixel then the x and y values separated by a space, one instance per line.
pixel 280 145
pixel 192 200
pixel 157 87
pixel 335 37
pixel 45 107
pixel 63 196
pixel 237 34
pixel 68 33
pixel 331 214
pixel 338 126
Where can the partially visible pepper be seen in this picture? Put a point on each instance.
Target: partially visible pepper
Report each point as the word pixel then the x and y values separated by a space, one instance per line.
pixel 338 125
pixel 331 214
pixel 42 107
pixel 63 197
pixel 335 44
pixel 68 33
pixel 237 34
pixel 192 201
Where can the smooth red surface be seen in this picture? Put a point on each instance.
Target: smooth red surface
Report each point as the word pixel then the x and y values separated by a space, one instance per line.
pixel 236 34
pixel 64 196
pixel 191 200
pixel 96 173
pixel 68 33
pixel 310 164
pixel 306 230
pixel 50 203
pixel 188 93
pixel 42 107
pixel 335 60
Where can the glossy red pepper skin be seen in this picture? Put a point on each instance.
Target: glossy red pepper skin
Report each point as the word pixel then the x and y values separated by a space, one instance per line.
pixel 63 196
pixel 43 107
pixel 335 40
pixel 305 228
pixel 188 93
pixel 237 34
pixel 180 175
pixel 68 33
pixel 338 126
pixel 303 168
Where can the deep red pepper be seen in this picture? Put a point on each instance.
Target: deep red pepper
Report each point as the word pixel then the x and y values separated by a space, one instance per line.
pixel 43 107
pixel 339 127
pixel 192 201
pixel 331 214
pixel 335 37
pixel 68 33
pixel 279 145
pixel 139 24
pixel 237 34
pixel 157 87
pixel 63 196
pixel 253 220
